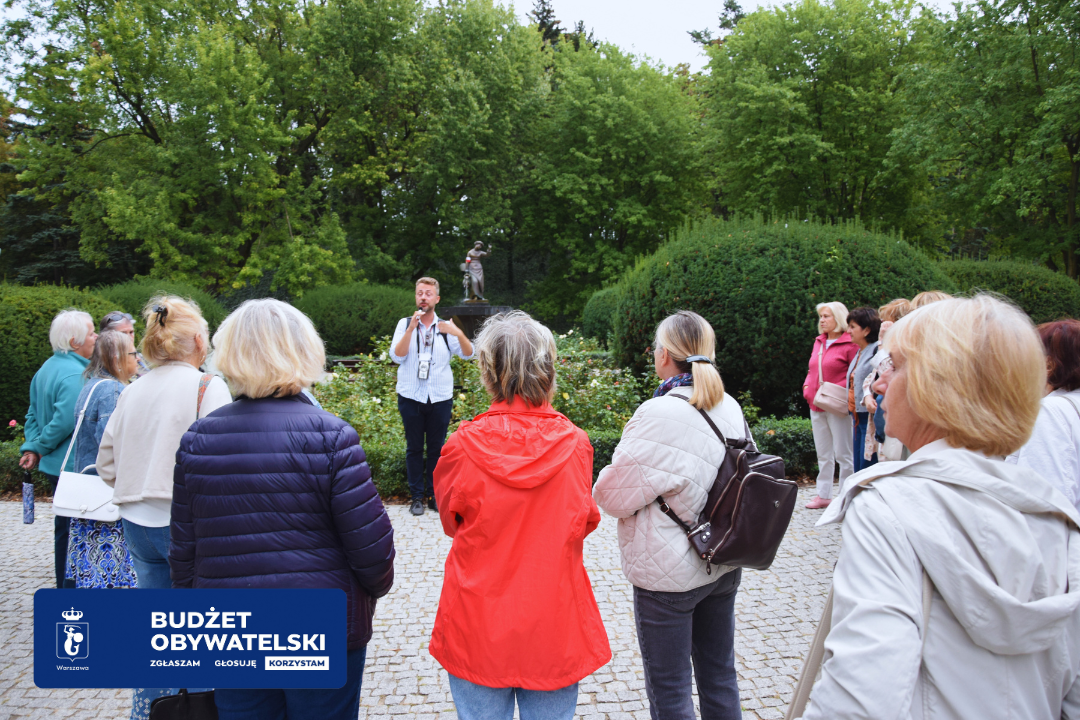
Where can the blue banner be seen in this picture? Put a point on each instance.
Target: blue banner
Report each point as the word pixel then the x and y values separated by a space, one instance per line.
pixel 189 638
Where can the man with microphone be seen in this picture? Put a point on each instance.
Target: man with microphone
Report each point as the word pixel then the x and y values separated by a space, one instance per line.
pixel 422 347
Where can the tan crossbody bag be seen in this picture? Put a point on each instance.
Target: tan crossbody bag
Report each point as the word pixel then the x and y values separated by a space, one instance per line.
pixel 830 397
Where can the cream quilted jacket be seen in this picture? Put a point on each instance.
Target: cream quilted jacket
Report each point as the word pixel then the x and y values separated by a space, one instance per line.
pixel 667 450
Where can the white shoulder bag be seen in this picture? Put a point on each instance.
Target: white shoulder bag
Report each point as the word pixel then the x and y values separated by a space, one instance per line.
pixel 83 496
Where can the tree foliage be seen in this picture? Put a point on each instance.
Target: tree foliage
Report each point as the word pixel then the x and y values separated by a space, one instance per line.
pixel 801 102
pixel 995 120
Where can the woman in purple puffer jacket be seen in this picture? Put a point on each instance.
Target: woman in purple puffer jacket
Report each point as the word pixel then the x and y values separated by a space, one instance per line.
pixel 272 492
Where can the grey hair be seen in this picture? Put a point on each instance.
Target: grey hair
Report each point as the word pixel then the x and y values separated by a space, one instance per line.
pixel 69 325
pixel 839 312
pixel 516 355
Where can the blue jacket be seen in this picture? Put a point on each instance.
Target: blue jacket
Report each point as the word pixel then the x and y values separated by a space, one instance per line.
pixel 51 417
pixel 275 493
pixel 98 412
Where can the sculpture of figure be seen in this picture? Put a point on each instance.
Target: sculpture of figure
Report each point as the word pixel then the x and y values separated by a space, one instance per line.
pixel 476 270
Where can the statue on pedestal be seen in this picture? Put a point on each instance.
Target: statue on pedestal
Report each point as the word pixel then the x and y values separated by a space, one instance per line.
pixel 474 273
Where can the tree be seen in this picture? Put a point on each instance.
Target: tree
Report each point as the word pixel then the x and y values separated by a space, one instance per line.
pixel 617 171
pixel 729 18
pixel 801 104
pixel 543 14
pixel 995 120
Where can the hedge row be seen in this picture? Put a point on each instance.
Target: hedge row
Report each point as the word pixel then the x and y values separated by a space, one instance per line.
pixel 349 316
pixel 1042 293
pixel 758 283
pixel 132 296
pixel 598 319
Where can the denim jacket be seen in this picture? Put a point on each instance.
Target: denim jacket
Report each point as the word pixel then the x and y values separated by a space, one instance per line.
pixel 97 416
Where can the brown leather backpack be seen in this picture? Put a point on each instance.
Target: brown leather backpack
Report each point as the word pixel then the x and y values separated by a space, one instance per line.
pixel 748 508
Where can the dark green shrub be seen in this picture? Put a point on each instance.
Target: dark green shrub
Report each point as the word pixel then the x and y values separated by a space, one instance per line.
pixel 758 283
pixel 598 319
pixel 26 314
pixel 11 475
pixel 387 462
pixel 348 316
pixel 1042 293
pixel 603 444
pixel 132 296
pixel 790 438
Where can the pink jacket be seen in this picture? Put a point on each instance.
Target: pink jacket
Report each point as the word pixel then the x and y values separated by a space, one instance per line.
pixel 838 357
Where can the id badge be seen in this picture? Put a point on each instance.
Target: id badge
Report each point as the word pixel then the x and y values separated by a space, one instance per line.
pixel 423 368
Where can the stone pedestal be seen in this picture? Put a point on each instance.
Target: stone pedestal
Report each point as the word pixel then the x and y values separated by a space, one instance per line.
pixel 471 315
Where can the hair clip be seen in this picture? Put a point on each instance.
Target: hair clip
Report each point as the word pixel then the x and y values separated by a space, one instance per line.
pixel 162 313
pixel 698 358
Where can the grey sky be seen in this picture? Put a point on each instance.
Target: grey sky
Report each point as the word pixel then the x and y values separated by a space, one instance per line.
pixel 647 27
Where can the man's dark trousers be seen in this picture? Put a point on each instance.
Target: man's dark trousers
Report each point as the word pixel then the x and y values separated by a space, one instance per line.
pixel 423 422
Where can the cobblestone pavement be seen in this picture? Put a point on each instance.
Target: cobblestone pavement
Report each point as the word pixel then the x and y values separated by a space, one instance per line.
pixel 777 611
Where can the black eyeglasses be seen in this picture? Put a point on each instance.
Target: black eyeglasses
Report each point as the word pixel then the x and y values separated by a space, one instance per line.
pixel 133 354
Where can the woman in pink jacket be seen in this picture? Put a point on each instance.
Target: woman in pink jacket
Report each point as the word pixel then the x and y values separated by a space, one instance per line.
pixel 833 350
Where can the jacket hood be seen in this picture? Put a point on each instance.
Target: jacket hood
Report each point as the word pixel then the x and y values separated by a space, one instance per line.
pixel 988 535
pixel 518 445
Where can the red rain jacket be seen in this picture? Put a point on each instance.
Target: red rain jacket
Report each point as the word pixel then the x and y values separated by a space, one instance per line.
pixel 514 488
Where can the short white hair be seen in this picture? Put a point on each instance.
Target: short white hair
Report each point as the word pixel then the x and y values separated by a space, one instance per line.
pixel 839 312
pixel 268 348
pixel 69 325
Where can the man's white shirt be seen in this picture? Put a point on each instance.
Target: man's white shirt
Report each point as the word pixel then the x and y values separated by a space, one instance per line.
pixel 439 384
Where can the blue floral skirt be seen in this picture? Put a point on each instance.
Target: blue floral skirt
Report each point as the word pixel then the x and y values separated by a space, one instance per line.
pixel 97 555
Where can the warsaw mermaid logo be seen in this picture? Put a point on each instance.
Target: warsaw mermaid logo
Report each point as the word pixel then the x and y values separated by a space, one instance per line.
pixel 72 637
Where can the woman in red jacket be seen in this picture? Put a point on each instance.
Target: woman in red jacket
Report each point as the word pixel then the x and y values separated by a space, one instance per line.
pixel 833 350
pixel 517 617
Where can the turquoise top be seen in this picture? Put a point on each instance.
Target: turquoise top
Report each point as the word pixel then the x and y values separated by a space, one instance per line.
pixel 51 417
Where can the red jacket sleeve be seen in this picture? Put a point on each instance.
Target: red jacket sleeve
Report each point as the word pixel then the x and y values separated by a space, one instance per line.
pixel 447 480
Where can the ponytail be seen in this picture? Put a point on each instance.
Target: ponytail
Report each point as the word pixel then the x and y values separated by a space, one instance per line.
pixel 172 324
pixel 691 342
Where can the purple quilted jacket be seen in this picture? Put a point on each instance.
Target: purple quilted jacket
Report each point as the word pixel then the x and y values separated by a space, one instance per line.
pixel 276 493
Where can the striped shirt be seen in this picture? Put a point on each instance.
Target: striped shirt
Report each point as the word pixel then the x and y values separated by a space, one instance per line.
pixel 439 385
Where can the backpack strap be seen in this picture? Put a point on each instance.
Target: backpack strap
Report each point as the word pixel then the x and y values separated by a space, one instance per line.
pixel 204 382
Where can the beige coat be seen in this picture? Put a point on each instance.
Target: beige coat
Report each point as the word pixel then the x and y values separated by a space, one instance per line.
pixel 138 449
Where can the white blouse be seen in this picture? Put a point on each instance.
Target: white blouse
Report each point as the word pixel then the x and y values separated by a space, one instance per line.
pixel 1054 448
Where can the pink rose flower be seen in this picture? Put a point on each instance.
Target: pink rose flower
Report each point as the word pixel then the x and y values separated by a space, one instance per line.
pixel 12 423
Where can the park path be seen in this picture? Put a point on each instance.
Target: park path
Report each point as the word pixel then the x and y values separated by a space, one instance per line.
pixel 777 611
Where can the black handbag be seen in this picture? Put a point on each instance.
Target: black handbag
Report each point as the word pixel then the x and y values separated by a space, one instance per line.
pixel 185 706
pixel 748 508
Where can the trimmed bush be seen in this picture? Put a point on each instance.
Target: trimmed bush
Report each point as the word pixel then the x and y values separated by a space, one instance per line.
pixel 349 316
pixel 790 438
pixel 26 314
pixel 1042 293
pixel 599 316
pixel 758 283
pixel 603 444
pixel 132 296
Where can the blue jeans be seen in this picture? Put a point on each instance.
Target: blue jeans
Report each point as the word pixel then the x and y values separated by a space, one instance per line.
pixel 61 533
pixel 862 423
pixel 479 702
pixel 423 421
pixel 149 548
pixel 677 627
pixel 340 704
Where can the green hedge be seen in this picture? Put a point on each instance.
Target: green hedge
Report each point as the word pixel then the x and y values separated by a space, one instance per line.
pixel 1043 294
pixel 790 438
pixel 599 316
pixel 132 296
pixel 349 316
pixel 26 313
pixel 758 282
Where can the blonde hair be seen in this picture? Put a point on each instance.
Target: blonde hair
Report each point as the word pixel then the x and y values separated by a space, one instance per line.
pixel 428 281
pixel 268 348
pixel 685 334
pixel 976 367
pixel 894 310
pixel 928 296
pixel 516 355
pixel 839 312
pixel 69 325
pixel 107 359
pixel 172 324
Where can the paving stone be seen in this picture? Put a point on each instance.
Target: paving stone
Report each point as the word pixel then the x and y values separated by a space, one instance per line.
pixel 776 614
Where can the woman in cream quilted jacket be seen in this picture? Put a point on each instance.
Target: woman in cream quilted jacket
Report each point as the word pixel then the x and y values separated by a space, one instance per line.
pixel 668 450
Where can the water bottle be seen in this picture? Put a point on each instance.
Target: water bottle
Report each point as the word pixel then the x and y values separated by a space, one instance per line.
pixel 27 498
